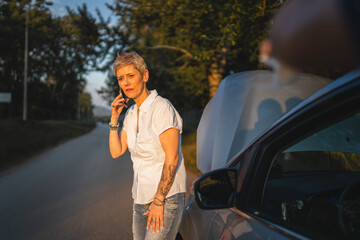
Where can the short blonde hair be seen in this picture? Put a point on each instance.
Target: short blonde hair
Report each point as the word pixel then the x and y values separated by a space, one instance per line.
pixel 130 58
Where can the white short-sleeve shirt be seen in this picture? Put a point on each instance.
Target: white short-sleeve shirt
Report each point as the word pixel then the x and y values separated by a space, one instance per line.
pixel 155 116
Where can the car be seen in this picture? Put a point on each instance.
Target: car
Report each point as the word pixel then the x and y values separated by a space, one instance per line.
pixel 299 179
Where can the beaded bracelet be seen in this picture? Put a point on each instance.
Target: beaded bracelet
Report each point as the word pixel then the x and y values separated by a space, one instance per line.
pixel 113 127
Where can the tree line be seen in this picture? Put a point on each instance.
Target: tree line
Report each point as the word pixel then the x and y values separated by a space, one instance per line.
pixel 189 47
pixel 62 49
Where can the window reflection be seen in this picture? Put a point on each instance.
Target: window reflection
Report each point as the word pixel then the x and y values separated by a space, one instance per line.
pixel 314 186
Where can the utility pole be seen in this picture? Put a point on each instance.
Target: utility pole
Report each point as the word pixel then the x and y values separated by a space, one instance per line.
pixel 26 64
pixel 26 54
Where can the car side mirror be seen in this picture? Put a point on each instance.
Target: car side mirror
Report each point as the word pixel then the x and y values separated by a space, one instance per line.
pixel 216 189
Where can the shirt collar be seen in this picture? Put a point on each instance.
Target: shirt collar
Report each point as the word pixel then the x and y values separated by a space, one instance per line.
pixel 145 106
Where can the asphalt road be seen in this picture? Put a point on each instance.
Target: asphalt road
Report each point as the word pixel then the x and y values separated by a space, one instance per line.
pixel 74 191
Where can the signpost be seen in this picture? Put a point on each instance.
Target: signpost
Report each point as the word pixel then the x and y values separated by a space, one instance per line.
pixel 5 97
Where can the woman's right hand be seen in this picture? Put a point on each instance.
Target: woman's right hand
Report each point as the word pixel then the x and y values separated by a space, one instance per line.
pixel 117 106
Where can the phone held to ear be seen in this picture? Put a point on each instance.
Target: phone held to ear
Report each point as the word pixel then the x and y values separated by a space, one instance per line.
pixel 123 96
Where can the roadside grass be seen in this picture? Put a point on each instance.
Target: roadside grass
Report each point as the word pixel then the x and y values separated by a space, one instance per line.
pixel 21 140
pixel 188 146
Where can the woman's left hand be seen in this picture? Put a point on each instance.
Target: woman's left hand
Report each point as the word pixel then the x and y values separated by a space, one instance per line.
pixel 156 216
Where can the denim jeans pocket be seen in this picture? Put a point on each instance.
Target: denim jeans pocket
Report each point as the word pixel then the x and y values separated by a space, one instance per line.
pixel 175 199
pixel 172 201
pixel 173 204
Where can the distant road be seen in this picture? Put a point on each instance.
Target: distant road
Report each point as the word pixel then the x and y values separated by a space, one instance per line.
pixel 74 191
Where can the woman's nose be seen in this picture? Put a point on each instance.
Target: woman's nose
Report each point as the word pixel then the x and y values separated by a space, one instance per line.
pixel 126 81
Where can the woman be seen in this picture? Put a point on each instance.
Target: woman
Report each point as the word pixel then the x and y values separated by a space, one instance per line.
pixel 151 131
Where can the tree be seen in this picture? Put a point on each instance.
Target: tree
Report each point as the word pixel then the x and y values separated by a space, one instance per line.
pixel 12 26
pixel 61 51
pixel 192 44
pixel 85 108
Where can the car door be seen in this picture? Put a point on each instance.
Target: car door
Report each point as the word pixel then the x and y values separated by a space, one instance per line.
pixel 304 178
pixel 223 223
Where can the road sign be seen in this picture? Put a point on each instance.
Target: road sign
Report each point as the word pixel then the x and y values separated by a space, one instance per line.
pixel 5 97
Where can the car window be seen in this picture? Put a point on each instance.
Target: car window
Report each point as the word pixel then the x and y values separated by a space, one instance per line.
pixel 237 163
pixel 313 187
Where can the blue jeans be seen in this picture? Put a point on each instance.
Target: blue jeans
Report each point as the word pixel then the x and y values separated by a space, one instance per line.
pixel 173 210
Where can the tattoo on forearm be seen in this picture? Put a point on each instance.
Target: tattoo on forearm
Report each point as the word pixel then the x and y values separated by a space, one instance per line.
pixel 167 179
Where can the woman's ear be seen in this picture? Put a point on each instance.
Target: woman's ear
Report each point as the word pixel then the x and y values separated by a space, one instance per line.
pixel 146 76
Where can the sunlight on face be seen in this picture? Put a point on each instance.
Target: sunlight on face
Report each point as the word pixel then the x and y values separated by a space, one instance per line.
pixel 131 81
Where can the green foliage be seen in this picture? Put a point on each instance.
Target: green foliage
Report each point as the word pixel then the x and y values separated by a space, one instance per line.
pixel 191 45
pixel 85 106
pixel 61 51
pixel 189 151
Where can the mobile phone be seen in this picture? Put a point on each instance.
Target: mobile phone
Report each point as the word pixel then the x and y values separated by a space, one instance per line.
pixel 120 92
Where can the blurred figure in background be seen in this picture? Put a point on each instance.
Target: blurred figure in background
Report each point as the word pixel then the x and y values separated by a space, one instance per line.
pixel 315 35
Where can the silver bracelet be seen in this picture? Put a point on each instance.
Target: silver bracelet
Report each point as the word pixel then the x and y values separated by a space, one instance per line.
pixel 113 127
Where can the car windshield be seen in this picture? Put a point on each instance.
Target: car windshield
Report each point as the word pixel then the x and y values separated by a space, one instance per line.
pixel 244 106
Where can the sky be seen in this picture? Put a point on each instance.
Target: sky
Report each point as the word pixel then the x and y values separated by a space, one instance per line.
pixel 95 80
